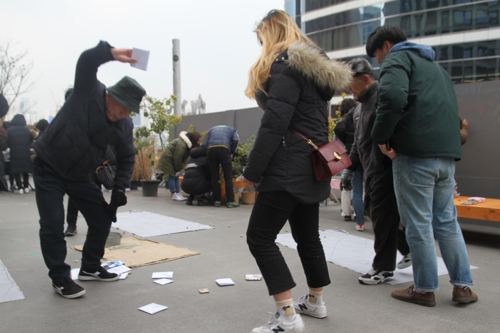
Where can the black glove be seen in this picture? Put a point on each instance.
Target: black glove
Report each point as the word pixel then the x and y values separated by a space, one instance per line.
pixel 118 198
pixel 346 180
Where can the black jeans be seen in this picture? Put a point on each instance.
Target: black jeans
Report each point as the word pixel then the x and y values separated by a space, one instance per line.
pixel 50 189
pixel 221 156
pixel 269 215
pixel 383 211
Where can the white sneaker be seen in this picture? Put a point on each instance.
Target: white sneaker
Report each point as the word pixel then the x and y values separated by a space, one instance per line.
pixel 360 227
pixel 21 191
pixel 277 324
pixel 27 190
pixel 178 197
pixel 308 305
pixel 405 262
pixel 127 189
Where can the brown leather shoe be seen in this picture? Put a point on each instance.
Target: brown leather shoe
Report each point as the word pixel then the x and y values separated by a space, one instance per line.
pixel 464 295
pixel 409 295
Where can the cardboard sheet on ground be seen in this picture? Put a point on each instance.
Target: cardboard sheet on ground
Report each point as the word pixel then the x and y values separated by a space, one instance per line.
pixel 9 290
pixel 136 252
pixel 145 224
pixel 355 253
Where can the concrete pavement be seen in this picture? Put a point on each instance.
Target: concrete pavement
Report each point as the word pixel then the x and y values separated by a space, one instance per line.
pixel 114 306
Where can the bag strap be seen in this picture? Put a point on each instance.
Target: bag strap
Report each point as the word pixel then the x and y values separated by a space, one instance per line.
pixel 309 141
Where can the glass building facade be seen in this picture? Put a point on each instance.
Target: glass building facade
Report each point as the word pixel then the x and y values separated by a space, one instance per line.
pixel 464 33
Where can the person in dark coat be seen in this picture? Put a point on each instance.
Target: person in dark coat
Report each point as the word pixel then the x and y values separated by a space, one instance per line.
pixel 73 145
pixel 197 179
pixel 6 154
pixel 344 131
pixel 19 142
pixel 292 82
pixel 4 107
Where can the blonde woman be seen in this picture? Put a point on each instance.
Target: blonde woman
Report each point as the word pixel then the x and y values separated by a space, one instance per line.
pixel 292 82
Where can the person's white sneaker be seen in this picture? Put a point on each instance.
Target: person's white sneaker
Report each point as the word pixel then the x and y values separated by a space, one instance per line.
pixel 277 324
pixel 21 191
pixel 27 190
pixel 127 189
pixel 405 262
pixel 360 227
pixel 308 305
pixel 178 197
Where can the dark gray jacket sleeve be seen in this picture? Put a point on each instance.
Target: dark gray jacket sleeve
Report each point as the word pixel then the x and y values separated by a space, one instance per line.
pixel 125 158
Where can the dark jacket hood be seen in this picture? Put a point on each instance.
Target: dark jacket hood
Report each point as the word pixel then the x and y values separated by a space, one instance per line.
pixel 424 51
pixel 18 120
pixel 328 75
pixel 197 152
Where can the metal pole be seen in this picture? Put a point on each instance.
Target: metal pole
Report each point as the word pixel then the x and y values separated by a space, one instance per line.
pixel 176 62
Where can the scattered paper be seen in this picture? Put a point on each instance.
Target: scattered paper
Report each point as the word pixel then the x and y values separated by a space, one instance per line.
pixel 153 308
pixel 253 277
pixel 142 57
pixel 203 291
pixel 74 273
pixel 122 276
pixel 163 281
pixel 9 290
pixel 162 275
pixel 225 282
pixel 119 269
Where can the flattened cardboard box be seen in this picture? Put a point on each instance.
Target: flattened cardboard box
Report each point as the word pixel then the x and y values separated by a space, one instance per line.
pixel 136 252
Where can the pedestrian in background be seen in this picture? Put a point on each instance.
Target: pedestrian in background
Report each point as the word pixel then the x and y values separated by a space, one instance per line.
pixel 292 82
pixel 173 159
pixel 19 142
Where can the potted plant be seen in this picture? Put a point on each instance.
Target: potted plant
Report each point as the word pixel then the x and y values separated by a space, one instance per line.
pixel 239 161
pixel 144 162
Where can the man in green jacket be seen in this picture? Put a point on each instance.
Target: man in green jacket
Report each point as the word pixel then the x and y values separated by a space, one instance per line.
pixel 416 125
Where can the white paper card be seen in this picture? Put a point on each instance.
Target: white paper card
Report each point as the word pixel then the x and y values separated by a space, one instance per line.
pixel 163 275
pixel 153 308
pixel 74 273
pixel 123 276
pixel 253 277
pixel 225 282
pixel 163 281
pixel 119 269
pixel 142 57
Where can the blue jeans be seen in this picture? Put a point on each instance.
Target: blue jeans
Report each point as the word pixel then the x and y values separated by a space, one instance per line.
pixel 173 184
pixel 357 196
pixel 424 192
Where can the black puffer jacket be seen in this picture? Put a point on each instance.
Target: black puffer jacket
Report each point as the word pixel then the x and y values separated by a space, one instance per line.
pixel 75 142
pixel 19 141
pixel 344 131
pixel 302 80
pixel 197 179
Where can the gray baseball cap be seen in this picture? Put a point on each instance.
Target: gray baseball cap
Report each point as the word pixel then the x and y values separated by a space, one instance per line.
pixel 360 66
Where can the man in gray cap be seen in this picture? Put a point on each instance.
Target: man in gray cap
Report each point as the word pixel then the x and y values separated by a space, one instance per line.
pixel 380 200
pixel 71 147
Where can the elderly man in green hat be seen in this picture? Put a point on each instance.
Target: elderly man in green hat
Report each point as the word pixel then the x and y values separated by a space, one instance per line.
pixel 71 147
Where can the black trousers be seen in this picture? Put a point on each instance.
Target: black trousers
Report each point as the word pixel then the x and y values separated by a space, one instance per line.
pixel 380 200
pixel 269 215
pixel 25 183
pixel 71 213
pixel 221 156
pixel 50 189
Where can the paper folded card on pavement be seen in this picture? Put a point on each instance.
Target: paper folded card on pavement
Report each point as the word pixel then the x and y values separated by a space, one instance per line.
pixel 162 275
pixel 163 281
pixel 225 282
pixel 153 308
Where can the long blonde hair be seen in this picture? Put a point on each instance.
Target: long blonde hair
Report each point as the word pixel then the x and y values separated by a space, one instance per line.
pixel 275 32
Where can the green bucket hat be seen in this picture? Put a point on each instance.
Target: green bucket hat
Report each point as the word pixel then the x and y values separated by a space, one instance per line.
pixel 128 92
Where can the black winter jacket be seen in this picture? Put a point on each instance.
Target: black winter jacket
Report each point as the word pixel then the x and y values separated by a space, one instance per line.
pixel 302 80
pixel 344 131
pixel 75 142
pixel 197 178
pixel 19 141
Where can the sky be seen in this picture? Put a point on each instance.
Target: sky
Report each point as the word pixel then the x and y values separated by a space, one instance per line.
pixel 217 41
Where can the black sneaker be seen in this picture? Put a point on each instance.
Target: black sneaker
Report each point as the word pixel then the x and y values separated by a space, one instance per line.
pixel 70 231
pixel 100 275
pixel 189 202
pixel 67 288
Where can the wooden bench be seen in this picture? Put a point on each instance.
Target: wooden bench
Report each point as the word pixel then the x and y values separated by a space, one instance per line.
pixel 488 210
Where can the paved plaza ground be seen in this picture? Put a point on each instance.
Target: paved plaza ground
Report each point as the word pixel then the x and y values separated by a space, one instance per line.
pixel 113 307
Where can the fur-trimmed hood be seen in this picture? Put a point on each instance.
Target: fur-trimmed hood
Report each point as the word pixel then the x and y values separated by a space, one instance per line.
pixel 313 63
pixel 184 138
